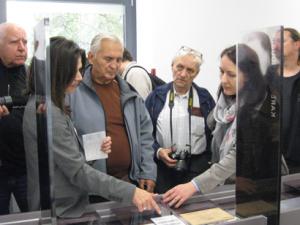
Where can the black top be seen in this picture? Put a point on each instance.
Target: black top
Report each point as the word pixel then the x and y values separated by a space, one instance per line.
pixel 12 155
pixel 289 90
pixel 287 87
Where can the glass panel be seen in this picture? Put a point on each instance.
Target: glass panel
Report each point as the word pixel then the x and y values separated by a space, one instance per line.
pixel 37 123
pixel 258 126
pixel 77 21
pixel 290 97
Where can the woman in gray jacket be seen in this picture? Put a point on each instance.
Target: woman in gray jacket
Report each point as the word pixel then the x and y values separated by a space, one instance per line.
pixel 73 177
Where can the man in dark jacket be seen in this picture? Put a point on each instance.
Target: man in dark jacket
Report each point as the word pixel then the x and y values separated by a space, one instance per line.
pixel 179 112
pixel 13 53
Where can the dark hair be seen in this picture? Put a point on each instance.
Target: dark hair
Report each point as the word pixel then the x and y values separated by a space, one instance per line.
pixel 294 34
pixel 127 56
pixel 64 55
pixel 230 52
pixel 264 41
pixel 247 62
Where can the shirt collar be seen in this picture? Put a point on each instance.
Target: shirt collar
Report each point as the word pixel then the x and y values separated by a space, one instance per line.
pixel 186 95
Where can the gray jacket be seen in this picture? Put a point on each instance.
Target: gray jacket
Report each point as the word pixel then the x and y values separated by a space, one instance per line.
pixel 73 178
pixel 217 173
pixel 223 147
pixel 88 116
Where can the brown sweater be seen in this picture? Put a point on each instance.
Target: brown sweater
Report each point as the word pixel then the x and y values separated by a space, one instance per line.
pixel 119 159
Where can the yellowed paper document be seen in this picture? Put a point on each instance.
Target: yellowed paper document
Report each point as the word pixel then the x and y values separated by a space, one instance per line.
pixel 255 208
pixel 206 216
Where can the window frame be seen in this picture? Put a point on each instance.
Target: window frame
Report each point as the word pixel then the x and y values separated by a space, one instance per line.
pixel 129 35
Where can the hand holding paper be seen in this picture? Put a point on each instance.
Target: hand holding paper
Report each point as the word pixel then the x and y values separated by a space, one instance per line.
pixel 92 144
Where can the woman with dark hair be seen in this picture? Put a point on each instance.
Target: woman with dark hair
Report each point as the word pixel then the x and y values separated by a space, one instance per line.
pixel 73 177
pixel 241 79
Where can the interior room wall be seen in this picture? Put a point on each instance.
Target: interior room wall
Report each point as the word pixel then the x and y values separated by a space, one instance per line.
pixel 206 25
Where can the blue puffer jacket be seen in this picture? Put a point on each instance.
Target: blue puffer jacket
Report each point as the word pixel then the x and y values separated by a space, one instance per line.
pixel 156 101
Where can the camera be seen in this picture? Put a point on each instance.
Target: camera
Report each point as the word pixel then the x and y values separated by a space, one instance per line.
pixel 13 102
pixel 183 160
pixel 7 101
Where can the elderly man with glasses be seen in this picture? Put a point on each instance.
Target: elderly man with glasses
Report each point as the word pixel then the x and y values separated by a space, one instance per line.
pixel 179 113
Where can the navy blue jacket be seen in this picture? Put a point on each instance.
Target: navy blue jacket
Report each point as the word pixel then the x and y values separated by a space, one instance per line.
pixel 156 101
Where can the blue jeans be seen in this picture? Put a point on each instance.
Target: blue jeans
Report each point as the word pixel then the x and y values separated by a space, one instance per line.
pixel 16 185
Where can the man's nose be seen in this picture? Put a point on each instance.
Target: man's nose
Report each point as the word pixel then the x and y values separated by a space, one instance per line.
pixel 183 73
pixel 115 64
pixel 22 45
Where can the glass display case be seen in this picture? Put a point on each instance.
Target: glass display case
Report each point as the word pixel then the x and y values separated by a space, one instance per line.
pixel 256 197
pixel 258 172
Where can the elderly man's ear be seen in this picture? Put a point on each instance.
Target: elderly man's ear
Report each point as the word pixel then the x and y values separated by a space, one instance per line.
pixel 90 57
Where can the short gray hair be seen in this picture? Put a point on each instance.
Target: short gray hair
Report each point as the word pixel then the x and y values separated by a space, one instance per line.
pixel 184 50
pixel 4 27
pixel 96 41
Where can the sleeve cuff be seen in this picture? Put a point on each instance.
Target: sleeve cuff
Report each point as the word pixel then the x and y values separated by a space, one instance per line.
pixel 157 152
pixel 195 185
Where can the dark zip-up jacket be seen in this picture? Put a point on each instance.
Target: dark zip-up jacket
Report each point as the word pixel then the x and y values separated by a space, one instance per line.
pixel 12 155
pixel 156 101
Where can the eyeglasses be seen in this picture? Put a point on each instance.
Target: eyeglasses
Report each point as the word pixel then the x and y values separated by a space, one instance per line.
pixel 187 50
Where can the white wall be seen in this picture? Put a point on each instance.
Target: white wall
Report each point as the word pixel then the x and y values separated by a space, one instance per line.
pixel 206 25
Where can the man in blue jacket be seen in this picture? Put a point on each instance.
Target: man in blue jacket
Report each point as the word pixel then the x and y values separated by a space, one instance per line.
pixel 179 113
pixel 105 102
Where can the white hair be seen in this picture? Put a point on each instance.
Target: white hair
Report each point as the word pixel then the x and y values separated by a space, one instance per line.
pixel 96 42
pixel 184 50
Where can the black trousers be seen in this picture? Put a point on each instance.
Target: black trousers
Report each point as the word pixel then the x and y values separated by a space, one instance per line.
pixel 16 185
pixel 169 177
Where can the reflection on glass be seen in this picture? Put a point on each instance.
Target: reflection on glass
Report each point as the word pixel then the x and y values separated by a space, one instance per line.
pixel 288 52
pixel 258 132
pixel 36 128
pixel 79 21
pixel 260 42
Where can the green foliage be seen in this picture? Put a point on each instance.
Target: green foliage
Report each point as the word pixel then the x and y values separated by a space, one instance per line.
pixel 83 27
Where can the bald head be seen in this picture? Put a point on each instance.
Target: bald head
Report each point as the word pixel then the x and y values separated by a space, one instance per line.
pixel 13 45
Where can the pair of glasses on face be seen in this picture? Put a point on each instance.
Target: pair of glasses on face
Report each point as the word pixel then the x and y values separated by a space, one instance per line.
pixel 187 50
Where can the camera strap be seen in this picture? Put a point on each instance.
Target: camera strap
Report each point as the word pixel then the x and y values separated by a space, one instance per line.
pixel 190 106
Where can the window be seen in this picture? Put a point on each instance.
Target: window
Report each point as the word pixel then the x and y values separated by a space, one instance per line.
pixel 75 19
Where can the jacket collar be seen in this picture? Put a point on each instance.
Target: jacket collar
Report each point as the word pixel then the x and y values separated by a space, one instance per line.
pixel 11 69
pixel 126 91
pixel 163 90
